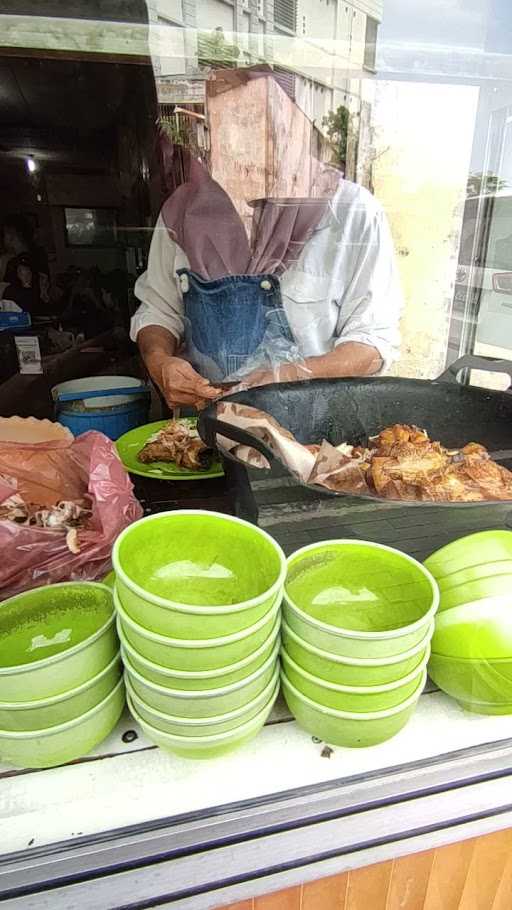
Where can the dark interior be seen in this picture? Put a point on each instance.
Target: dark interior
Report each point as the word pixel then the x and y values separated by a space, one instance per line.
pixel 77 141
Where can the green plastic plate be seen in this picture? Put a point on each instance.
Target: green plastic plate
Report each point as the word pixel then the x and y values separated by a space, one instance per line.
pixel 129 445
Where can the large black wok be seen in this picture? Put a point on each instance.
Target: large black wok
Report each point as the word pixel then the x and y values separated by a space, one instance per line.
pixel 351 410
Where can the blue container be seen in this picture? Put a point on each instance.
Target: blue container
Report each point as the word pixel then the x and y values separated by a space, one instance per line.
pixel 110 404
pixel 14 321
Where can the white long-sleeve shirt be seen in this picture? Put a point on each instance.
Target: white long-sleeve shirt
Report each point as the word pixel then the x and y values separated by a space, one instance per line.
pixel 344 286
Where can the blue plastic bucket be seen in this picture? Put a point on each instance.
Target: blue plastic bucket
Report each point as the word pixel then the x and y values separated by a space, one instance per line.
pixel 110 404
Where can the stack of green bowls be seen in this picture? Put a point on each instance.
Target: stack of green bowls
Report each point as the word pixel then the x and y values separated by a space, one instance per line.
pixel 358 620
pixel 198 596
pixel 472 645
pixel 61 687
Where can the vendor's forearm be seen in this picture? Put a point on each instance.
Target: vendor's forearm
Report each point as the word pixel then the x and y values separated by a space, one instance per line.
pixel 349 359
pixel 156 345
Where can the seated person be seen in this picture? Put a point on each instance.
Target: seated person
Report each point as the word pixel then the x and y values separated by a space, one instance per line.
pixel 24 265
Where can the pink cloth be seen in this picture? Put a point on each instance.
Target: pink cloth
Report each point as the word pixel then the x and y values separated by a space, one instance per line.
pixel 203 221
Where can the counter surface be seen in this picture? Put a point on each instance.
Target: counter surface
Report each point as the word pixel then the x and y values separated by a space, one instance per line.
pixel 130 826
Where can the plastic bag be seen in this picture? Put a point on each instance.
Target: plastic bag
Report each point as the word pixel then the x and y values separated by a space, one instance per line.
pixel 87 466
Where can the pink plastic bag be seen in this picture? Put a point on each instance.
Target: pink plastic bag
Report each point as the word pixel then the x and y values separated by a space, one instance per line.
pixel 88 465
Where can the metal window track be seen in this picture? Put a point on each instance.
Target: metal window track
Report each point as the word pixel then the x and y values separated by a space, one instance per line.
pixel 203 860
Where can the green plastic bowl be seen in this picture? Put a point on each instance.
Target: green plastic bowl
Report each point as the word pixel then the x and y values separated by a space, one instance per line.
pixel 341 728
pixel 182 703
pixel 346 671
pixel 486 707
pixel 354 699
pixel 358 599
pixel 480 630
pixel 71 623
pixel 475 582
pixel 60 709
pixel 110 580
pixel 468 591
pixel 210 726
pixel 475 566
pixel 65 742
pixel 208 679
pixel 197 574
pixel 201 747
pixel 473 680
pixel 201 655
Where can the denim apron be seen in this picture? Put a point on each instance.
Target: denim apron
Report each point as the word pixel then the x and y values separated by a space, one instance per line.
pixel 232 321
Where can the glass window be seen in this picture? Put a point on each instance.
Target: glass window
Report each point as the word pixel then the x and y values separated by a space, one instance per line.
pixel 370 43
pixel 285 13
pixel 294 215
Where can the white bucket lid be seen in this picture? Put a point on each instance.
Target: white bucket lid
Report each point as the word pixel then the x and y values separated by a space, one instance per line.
pixel 100 384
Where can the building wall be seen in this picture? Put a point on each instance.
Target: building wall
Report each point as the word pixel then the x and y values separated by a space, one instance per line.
pixel 421 181
pixel 316 20
pixel 212 14
pixel 261 144
pixel 326 55
pixel 171 10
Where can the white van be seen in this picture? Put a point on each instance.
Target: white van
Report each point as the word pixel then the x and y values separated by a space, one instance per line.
pixel 483 289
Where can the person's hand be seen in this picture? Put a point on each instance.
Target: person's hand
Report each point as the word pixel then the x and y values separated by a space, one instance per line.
pixel 182 386
pixel 287 372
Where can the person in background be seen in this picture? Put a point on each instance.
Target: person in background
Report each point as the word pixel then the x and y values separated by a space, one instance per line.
pixel 24 272
pixel 93 305
pixel 316 282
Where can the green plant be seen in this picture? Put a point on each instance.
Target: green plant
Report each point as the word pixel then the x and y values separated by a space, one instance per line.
pixel 212 48
pixel 173 128
pixel 481 184
pixel 337 126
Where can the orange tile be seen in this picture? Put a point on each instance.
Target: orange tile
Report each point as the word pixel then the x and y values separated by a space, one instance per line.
pixel 367 888
pixel 448 875
pixel 242 905
pixel 409 881
pixel 280 900
pixel 503 898
pixel 486 870
pixel 325 894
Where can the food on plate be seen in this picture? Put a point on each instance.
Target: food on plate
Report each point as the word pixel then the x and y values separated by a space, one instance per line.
pixel 403 463
pixel 180 443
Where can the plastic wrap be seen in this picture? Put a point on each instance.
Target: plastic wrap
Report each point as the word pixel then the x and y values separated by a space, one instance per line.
pixel 46 473
pixel 274 353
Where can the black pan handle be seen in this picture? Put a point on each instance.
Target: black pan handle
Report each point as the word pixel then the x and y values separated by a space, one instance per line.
pixel 475 362
pixel 209 427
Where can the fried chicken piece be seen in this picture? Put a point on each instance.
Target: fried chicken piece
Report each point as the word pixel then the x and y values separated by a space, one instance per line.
pixel 194 455
pixel 411 465
pixel 179 443
pixel 452 486
pixel 493 480
pixel 400 433
pixel 471 476
pixel 475 449
pixel 155 451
